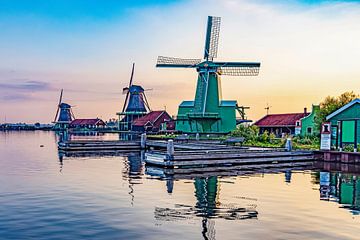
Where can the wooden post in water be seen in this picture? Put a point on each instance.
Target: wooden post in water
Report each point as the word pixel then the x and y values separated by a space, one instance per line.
pixel 170 149
pixel 143 141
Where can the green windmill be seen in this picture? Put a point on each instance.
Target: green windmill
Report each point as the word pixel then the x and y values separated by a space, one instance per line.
pixel 208 113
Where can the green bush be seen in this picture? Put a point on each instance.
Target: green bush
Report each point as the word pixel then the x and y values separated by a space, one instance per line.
pixel 250 133
pixel 266 139
pixel 348 148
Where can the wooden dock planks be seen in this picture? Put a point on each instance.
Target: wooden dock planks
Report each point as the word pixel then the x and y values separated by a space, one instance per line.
pixel 223 158
pixel 82 145
pixel 237 170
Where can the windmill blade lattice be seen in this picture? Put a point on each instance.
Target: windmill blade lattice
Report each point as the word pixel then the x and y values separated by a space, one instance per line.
pixel 239 71
pixel 212 37
pixel 176 62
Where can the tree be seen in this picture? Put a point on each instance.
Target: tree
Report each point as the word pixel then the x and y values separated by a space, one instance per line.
pixel 331 104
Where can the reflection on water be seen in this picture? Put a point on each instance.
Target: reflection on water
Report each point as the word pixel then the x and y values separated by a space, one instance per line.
pixel 133 171
pixel 45 194
pixel 207 207
pixel 342 188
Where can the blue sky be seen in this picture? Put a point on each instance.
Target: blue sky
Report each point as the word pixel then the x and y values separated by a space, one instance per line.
pixel 87 47
pixel 70 11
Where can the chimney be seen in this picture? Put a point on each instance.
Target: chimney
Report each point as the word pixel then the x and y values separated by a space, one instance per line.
pixel 305 110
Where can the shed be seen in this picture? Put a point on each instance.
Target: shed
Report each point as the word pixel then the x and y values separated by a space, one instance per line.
pixel 280 124
pixel 345 127
pixel 154 121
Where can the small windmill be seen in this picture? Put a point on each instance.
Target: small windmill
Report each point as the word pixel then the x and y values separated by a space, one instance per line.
pixel 208 113
pixel 64 114
pixel 135 105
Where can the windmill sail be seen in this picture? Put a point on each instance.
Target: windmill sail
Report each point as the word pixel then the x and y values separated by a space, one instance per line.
pixel 58 107
pixel 238 69
pixel 212 38
pixel 176 62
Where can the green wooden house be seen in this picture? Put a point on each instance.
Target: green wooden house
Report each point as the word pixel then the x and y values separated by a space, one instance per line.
pixel 345 127
pixel 308 122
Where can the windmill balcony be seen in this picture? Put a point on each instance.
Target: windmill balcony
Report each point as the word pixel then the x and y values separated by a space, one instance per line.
pixel 130 113
pixel 204 115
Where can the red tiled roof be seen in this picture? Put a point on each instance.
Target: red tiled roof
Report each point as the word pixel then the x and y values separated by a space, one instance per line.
pixel 150 117
pixel 91 121
pixel 277 120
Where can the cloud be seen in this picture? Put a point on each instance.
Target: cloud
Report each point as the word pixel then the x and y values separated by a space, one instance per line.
pixel 21 90
pixel 16 97
pixel 26 85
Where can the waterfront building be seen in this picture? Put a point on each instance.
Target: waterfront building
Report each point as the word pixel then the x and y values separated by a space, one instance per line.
pixel 92 123
pixel 345 127
pixel 281 124
pixel 307 124
pixel 154 121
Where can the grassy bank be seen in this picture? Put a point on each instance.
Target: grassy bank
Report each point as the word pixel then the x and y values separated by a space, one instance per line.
pixel 253 138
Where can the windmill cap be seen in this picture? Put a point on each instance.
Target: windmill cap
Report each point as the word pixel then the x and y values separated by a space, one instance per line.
pixel 136 88
pixel 64 105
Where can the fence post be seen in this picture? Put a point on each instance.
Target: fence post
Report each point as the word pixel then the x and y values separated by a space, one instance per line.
pixel 170 148
pixel 143 141
pixel 288 145
pixel 197 136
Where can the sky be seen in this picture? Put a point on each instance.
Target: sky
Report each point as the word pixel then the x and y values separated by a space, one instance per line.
pixel 308 50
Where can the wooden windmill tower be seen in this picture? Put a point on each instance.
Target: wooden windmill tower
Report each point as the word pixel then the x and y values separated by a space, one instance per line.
pixel 208 113
pixel 64 115
pixel 135 105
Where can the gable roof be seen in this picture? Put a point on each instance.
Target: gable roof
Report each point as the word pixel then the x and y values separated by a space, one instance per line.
pixel 91 121
pixel 280 120
pixel 346 106
pixel 150 117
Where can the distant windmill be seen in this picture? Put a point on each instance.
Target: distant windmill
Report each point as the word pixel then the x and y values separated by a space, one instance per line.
pixel 208 113
pixel 135 105
pixel 64 114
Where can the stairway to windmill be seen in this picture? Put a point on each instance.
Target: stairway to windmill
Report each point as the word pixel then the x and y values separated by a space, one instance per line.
pixel 208 113
pixel 64 115
pixel 135 105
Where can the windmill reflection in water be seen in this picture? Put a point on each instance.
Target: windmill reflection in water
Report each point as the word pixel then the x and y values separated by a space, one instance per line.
pixel 207 207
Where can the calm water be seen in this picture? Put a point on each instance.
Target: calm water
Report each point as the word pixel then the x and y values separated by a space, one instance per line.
pixel 115 197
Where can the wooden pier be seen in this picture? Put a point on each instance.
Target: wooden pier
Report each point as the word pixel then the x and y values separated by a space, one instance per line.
pixel 188 145
pixel 225 171
pixel 224 157
pixel 194 154
pixel 86 145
